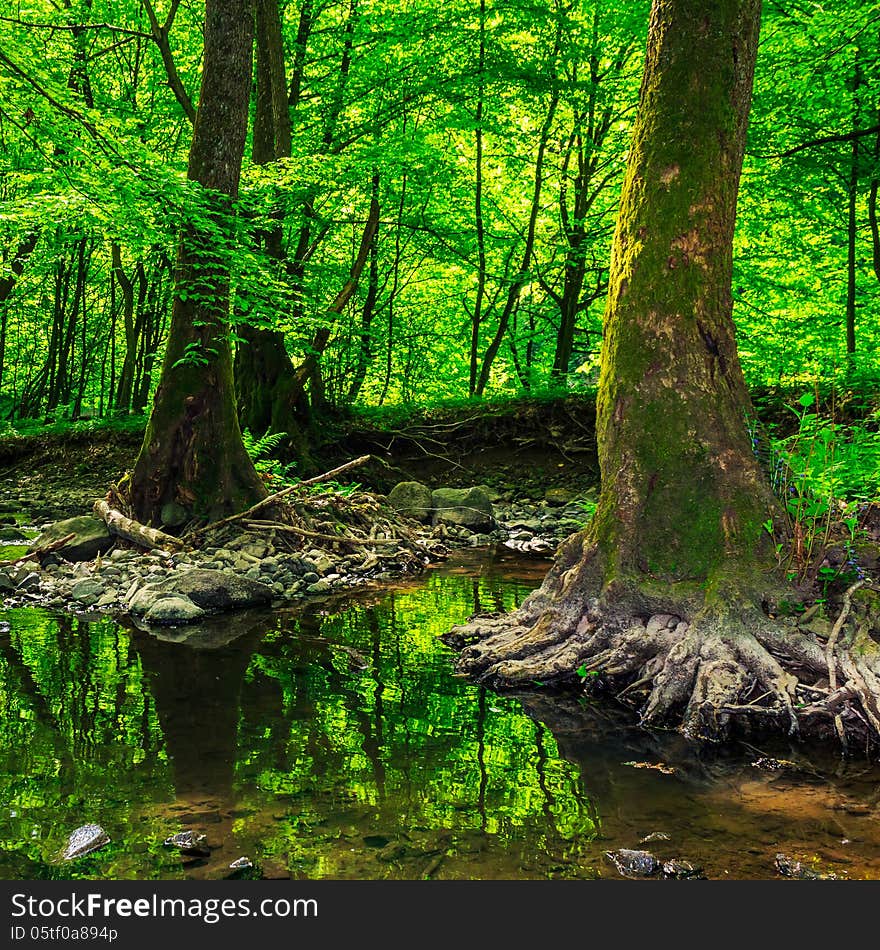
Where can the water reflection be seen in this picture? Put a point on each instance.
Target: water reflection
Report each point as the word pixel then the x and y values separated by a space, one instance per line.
pixel 337 743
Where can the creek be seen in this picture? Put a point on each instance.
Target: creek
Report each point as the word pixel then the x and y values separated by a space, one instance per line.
pixel 333 740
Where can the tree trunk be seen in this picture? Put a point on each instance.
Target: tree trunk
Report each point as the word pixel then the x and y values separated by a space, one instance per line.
pixel 662 594
pixel 851 220
pixel 192 462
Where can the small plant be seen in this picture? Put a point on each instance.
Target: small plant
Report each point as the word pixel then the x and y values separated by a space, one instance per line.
pixel 270 469
pixel 821 473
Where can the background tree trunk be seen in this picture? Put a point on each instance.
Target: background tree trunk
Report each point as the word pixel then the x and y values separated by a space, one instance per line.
pixel 192 462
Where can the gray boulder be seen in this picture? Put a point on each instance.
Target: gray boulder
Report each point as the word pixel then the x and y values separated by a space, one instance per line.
pixel 467 507
pixel 412 499
pixel 207 589
pixel 172 610
pixel 87 591
pixel 90 538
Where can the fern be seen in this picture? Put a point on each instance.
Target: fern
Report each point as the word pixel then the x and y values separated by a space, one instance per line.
pixel 261 448
pixel 260 451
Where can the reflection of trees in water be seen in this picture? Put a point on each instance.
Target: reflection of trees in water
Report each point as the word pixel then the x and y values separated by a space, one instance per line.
pixel 403 737
pixel 353 717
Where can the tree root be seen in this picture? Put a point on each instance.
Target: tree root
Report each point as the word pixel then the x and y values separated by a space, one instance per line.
pixel 722 669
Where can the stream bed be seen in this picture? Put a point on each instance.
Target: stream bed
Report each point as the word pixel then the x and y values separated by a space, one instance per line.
pixel 334 741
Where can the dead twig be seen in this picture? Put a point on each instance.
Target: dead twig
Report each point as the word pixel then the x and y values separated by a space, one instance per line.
pixel 42 551
pixel 272 499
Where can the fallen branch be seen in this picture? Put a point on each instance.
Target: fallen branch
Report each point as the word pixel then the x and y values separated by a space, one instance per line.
pixel 132 530
pixel 42 551
pixel 318 536
pixel 272 499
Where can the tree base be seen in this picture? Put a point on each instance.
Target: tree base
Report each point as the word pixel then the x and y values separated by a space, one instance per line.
pixel 711 669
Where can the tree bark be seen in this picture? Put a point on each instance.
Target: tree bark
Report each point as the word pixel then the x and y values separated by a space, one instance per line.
pixel 663 593
pixel 192 461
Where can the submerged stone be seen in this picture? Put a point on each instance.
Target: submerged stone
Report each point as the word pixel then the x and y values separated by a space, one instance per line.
pixel 84 840
pixel 634 863
pixel 189 843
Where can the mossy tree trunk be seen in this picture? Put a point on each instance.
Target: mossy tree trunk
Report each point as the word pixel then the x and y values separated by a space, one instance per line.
pixel 268 399
pixel 192 462
pixel 681 488
pixel 662 597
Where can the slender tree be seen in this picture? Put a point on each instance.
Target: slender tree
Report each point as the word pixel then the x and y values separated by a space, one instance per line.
pixel 664 589
pixel 192 462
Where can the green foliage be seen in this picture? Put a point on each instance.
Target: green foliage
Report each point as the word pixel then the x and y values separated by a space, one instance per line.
pixel 93 161
pixel 823 472
pixel 271 469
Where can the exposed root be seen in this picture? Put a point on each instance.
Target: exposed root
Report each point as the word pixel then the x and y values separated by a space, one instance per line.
pixel 713 672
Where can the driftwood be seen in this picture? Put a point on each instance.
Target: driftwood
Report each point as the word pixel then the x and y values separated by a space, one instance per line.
pixel 272 499
pixel 132 530
pixel 318 536
pixel 42 551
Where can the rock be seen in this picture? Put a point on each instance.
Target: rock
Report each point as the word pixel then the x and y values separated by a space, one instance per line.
pixel 634 863
pixel 241 864
pixel 188 842
pixel 412 499
pixel 91 538
pixel 682 870
pixel 466 507
pixel 84 840
pixel 208 589
pixel 11 534
pixel 321 586
pixel 788 867
pixel 174 609
pixel 173 515
pixel 558 496
pixel 323 564
pixel 532 525
pixel 87 591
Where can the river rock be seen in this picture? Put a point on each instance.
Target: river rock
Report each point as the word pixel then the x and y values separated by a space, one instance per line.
pixel 466 507
pixel 189 843
pixel 634 863
pixel 207 589
pixel 87 591
pixel 558 496
pixel 412 499
pixel 90 538
pixel 171 610
pixel 789 867
pixel 84 840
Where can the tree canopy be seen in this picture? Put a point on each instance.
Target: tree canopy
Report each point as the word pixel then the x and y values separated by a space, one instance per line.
pixel 492 139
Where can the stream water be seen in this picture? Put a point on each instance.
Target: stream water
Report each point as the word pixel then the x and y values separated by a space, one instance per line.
pixel 336 742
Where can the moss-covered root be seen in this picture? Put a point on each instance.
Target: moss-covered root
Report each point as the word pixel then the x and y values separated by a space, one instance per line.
pixel 727 669
pixel 712 667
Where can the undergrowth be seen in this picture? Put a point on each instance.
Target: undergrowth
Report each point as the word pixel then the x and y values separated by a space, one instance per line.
pixel 826 474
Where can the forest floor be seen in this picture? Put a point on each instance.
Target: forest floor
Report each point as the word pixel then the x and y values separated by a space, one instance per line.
pixel 536 467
